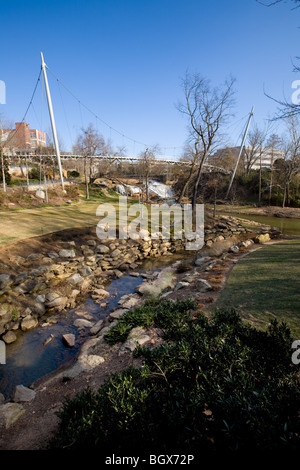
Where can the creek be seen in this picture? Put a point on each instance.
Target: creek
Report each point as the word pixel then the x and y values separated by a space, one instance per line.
pixel 31 356
pixel 287 225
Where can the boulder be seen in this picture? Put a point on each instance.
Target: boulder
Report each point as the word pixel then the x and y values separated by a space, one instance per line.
pixel 23 394
pixel 96 328
pixel 9 337
pixel 83 323
pixel 102 249
pixel 92 360
pixel 58 302
pixel 69 340
pixel 202 260
pixel 181 284
pixel 10 413
pixel 202 285
pixel 91 242
pixel 67 253
pixel 136 337
pixel 262 238
pixel 75 279
pixel 28 323
pixel 115 253
pixel 234 249
pixel 118 313
pixel 6 280
pixel 86 271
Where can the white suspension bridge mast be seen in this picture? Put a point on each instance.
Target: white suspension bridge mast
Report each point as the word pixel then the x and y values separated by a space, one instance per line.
pixel 57 151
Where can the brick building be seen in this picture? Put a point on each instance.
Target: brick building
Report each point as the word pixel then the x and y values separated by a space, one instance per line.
pixel 22 138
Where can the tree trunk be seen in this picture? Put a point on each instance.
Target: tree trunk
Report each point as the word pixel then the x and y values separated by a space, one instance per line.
pixel 87 195
pixel 3 170
pixel 195 192
pixel 271 183
pixel 185 186
pixel 284 196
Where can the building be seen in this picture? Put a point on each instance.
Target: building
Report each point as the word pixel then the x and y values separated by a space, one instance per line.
pixel 22 138
pixel 227 157
pixel 266 157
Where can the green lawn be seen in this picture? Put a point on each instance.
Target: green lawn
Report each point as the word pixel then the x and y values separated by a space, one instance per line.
pixel 25 223
pixel 266 284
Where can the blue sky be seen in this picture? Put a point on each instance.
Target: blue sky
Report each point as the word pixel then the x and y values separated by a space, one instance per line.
pixel 124 59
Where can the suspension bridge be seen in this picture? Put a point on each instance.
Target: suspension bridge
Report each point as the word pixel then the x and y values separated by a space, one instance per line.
pixel 30 157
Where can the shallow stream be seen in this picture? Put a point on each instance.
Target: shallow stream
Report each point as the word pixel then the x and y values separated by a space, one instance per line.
pixel 29 358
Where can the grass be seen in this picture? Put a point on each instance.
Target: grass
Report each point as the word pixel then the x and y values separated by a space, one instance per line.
pixel 266 285
pixel 31 222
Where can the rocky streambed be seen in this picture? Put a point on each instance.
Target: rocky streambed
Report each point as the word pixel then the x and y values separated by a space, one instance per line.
pixel 73 295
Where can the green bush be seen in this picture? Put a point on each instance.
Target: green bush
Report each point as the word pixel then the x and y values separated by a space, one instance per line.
pixel 213 385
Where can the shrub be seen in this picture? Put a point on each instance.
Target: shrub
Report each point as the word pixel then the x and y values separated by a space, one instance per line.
pixel 213 385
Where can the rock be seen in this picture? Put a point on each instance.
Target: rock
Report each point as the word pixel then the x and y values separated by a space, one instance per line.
pixel 75 279
pixel 234 249
pixel 21 277
pixel 52 296
pixel 136 337
pixel 86 271
pixel 91 242
pixel 26 287
pixel 67 253
pixel 118 273
pixel 41 298
pixel 69 340
pixel 115 253
pixel 116 314
pixel 28 323
pixel 34 256
pixel 96 328
pixel 23 394
pixel 5 316
pixel 202 285
pixel 48 340
pixel 6 280
pixel 92 360
pixel 102 249
pixel 38 308
pixel 53 255
pixel 262 238
pixel 2 399
pixel 10 413
pixel 101 294
pixel 38 271
pixel 202 260
pixel 9 337
pixel 83 323
pixel 130 303
pixel 58 302
pixel 181 284
pixel 246 243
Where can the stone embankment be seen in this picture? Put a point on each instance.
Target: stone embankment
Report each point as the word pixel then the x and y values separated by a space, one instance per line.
pixel 75 272
pixel 50 284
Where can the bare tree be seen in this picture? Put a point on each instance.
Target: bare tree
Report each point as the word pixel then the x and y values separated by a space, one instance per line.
pixel 275 2
pixel 254 150
pixel 6 135
pixel 89 143
pixel 273 143
pixel 291 157
pixel 147 163
pixel 207 109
